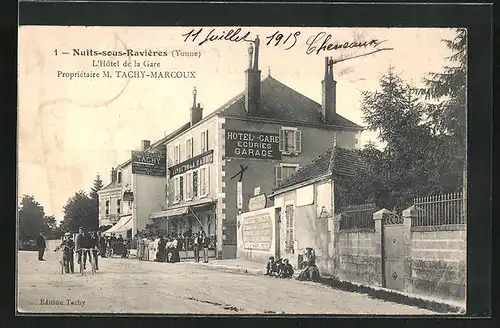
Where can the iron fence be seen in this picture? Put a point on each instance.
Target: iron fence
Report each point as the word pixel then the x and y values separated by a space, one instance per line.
pixel 439 210
pixel 358 217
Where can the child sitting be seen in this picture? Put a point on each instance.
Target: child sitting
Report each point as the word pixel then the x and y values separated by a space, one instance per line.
pixel 271 268
pixel 286 270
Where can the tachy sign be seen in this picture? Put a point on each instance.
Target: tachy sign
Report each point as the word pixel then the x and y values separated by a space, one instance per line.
pixel 149 163
pixel 250 144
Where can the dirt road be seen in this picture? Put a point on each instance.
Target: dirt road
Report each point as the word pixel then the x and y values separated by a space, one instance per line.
pixel 133 286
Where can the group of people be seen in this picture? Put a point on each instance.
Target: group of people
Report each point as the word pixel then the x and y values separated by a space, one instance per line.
pixel 280 268
pixel 283 269
pixel 168 248
pixel 110 245
pixel 86 246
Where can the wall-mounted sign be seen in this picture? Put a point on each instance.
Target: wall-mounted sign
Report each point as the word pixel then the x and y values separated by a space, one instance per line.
pixel 249 144
pixel 239 194
pixel 257 203
pixel 256 191
pixel 192 163
pixel 150 162
pixel 257 232
pixel 128 196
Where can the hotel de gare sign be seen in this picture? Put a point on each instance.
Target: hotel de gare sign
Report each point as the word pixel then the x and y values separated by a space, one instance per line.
pixel 151 162
pixel 250 144
pixel 192 163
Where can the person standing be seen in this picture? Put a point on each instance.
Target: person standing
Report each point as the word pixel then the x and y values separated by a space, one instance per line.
pixel 70 244
pixel 162 250
pixel 41 245
pixel 102 244
pixel 82 241
pixel 205 242
pixel 94 244
pixel 197 247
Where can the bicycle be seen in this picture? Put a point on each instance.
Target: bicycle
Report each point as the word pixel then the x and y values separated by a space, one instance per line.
pixel 93 264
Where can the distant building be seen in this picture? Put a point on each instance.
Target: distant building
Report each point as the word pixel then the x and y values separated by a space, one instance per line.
pixel 136 189
pixel 251 144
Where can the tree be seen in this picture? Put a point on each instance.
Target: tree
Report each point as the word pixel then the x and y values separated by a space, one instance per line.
pixel 416 161
pixel 94 196
pixel 98 185
pixel 50 228
pixel 78 212
pixel 448 88
pixel 31 218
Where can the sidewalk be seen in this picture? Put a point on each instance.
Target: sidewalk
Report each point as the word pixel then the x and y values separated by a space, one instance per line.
pixel 234 265
pixel 421 301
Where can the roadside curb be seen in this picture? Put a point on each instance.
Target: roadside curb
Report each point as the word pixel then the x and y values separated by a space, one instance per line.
pixel 385 294
pixel 228 268
pixel 348 286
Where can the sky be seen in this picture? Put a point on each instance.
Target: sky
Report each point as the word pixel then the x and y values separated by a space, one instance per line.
pixel 70 130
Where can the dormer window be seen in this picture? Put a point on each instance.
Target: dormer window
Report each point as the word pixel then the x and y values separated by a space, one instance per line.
pixel 290 141
pixel 120 177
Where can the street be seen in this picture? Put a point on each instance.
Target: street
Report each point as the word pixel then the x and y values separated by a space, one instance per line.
pixel 133 286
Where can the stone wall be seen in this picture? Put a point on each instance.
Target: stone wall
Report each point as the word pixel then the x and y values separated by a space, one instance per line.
pixel 438 265
pixel 359 257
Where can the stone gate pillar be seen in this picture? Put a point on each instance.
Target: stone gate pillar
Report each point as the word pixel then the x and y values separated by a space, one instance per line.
pixel 408 215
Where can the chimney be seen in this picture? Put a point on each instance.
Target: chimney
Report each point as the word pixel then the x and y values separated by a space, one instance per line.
pixel 252 82
pixel 196 110
pixel 145 144
pixel 113 175
pixel 329 92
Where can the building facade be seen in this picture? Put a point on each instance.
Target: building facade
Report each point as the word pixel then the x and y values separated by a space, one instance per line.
pixel 249 145
pixel 137 188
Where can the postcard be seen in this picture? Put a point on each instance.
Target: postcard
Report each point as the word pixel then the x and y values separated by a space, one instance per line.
pixel 240 170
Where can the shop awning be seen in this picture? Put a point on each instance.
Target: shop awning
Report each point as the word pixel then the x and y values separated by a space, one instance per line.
pixel 169 213
pixel 177 211
pixel 124 224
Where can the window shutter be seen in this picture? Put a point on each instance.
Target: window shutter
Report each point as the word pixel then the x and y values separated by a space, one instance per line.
pixel 207 181
pixel 298 141
pixel 203 141
pixel 191 147
pixel 206 140
pixel 282 140
pixel 277 174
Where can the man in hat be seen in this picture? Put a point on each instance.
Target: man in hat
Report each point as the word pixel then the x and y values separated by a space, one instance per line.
pixel 197 247
pixel 41 245
pixel 205 242
pixel 94 244
pixel 68 252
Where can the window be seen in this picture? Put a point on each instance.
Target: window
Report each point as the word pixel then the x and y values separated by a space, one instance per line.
pixel 204 181
pixel 195 184
pixel 189 186
pixel 181 188
pixel 204 141
pixel 290 141
pixel 120 177
pixel 177 154
pixel 118 205
pixel 283 171
pixel 189 148
pixel 107 207
pixel 289 238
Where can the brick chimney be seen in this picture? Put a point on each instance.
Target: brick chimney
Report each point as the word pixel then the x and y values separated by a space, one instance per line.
pixel 145 144
pixel 113 175
pixel 196 110
pixel 252 81
pixel 329 92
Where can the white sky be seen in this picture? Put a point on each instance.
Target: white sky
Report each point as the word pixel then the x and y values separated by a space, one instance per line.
pixel 69 131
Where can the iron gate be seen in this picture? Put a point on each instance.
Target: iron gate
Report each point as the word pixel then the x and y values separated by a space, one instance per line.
pixel 393 252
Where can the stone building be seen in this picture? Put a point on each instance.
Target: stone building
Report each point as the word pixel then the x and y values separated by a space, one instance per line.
pixel 249 145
